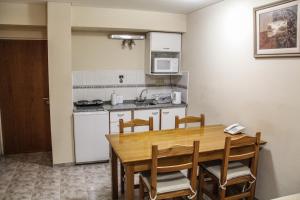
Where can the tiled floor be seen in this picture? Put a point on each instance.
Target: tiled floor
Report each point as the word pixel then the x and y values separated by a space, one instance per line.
pixel 31 177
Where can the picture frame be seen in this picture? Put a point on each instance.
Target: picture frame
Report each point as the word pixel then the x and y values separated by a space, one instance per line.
pixel 277 29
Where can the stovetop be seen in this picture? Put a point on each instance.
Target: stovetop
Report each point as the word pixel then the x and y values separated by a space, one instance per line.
pixel 88 106
pixel 95 102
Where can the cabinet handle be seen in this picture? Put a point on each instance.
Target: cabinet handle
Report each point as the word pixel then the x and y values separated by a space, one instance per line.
pixel 154 113
pixel 166 113
pixel 166 48
pixel 120 115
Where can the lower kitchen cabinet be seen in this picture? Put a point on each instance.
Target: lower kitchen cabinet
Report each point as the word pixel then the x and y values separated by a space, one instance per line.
pixel 114 120
pixel 162 118
pixel 145 114
pixel 168 117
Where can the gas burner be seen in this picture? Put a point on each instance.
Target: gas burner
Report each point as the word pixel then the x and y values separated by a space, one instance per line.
pixel 81 103
pixel 96 102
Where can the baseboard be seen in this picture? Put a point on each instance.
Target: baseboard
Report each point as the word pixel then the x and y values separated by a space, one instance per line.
pixel 64 164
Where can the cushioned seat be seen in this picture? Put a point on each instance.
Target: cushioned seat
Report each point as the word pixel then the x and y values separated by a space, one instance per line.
pixel 235 169
pixel 168 182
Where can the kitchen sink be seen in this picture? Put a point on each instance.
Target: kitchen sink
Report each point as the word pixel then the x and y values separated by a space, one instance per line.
pixel 145 103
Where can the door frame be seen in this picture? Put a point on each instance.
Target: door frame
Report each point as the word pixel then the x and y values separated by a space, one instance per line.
pixel 1 137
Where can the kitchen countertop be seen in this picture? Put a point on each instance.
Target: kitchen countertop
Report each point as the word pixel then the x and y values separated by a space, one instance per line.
pixel 129 105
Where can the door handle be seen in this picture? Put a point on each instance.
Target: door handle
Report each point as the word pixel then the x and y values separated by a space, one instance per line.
pixel 46 99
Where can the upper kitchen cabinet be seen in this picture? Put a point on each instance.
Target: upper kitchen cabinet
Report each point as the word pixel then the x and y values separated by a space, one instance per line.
pixel 165 42
pixel 163 53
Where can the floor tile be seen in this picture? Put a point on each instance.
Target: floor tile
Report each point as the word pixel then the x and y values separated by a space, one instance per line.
pixel 73 194
pixel 17 196
pixel 46 194
pixel 32 177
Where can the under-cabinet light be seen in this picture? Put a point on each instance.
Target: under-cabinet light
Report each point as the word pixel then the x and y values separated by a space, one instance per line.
pixel 126 37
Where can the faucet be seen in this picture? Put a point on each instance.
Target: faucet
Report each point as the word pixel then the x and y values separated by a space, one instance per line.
pixel 141 94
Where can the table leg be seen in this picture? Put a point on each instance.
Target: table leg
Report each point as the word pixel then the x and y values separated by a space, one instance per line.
pixel 129 173
pixel 114 175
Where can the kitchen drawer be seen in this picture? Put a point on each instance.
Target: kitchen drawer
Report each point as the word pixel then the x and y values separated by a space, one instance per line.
pixel 116 116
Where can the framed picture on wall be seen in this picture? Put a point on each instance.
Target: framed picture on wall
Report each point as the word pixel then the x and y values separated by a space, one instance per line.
pixel 277 29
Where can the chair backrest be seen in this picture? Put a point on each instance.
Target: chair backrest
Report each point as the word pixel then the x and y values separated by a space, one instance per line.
pixel 246 148
pixel 176 153
pixel 136 122
pixel 190 119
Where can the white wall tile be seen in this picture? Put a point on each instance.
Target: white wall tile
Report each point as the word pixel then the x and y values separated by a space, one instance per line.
pixel 111 77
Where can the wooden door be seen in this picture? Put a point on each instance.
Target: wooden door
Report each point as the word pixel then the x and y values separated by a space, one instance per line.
pixel 23 96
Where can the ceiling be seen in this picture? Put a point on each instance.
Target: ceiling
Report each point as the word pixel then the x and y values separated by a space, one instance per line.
pixel 173 6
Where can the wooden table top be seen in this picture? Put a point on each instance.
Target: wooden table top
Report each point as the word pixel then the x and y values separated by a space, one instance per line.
pixel 136 147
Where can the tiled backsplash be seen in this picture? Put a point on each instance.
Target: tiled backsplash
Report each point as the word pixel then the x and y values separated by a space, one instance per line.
pixel 101 83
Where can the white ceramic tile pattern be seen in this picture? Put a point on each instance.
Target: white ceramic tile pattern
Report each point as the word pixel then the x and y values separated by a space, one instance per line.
pixel 105 78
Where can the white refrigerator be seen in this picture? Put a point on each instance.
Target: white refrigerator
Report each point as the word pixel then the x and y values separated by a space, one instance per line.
pixel 89 134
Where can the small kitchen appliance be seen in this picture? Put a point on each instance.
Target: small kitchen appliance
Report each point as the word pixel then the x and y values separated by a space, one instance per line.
pixel 86 105
pixel 176 97
pixel 113 98
pixel 165 65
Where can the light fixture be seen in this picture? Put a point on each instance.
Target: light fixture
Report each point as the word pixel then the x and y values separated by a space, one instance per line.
pixel 131 44
pixel 128 39
pixel 125 44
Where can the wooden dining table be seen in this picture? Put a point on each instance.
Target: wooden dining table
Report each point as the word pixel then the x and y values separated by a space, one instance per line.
pixel 134 150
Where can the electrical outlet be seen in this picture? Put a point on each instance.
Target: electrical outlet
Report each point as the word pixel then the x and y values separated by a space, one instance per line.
pixel 121 77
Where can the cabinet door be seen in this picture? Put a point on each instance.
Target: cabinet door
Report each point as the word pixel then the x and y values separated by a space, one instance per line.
pixel 169 42
pixel 145 114
pixel 114 120
pixel 168 117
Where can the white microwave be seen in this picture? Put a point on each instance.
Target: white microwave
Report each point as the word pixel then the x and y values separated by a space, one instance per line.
pixel 165 65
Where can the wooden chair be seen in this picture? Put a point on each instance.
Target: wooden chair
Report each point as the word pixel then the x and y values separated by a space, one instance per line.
pixel 136 122
pixel 133 123
pixel 190 119
pixel 233 172
pixel 167 181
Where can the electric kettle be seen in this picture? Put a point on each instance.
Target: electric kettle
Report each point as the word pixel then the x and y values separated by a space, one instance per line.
pixel 176 97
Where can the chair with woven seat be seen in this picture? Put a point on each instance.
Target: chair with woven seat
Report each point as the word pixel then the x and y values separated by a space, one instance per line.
pixel 131 124
pixel 190 119
pixel 166 180
pixel 233 171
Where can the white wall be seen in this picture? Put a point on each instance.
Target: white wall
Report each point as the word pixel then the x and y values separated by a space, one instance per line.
pixel 229 85
pixel 60 81
pixel 22 14
pixel 107 18
pixel 93 50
